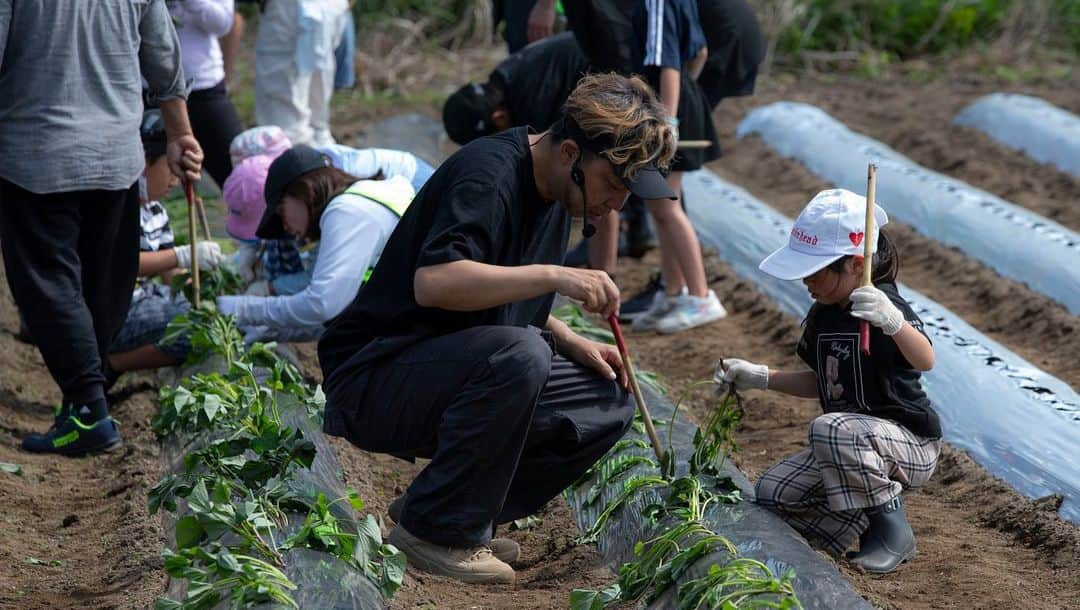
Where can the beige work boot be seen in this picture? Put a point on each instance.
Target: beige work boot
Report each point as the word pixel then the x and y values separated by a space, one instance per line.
pixel 473 565
pixel 504 549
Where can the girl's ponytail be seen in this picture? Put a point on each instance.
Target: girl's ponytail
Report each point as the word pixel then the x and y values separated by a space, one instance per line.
pixel 886 260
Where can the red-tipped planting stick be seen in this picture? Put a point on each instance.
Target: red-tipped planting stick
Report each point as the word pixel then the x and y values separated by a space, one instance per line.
pixel 645 417
pixel 869 239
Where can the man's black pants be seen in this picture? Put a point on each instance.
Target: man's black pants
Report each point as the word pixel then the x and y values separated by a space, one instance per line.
pixel 71 261
pixel 506 422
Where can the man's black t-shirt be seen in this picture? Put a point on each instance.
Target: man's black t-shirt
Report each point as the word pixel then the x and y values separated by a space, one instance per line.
pixel 884 384
pixel 481 205
pixel 538 79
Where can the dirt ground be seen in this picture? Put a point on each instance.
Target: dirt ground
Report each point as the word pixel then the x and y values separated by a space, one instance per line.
pixel 76 534
pixel 981 545
pixel 73 533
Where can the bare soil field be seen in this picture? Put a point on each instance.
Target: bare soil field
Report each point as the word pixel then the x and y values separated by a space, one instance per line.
pixel 76 533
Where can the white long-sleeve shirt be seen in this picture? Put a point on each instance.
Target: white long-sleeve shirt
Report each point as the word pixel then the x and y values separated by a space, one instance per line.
pixel 354 231
pixel 199 25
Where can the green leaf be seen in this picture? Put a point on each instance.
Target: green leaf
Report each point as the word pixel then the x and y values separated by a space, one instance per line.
pixel 9 468
pixel 188 532
pixel 164 603
pixel 393 569
pixel 369 539
pixel 227 561
pixel 354 499
pixel 34 561
pixel 588 599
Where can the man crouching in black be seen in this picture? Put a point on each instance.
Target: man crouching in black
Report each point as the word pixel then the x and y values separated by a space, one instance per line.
pixel 441 355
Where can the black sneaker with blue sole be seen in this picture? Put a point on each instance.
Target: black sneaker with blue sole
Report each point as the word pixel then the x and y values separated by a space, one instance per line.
pixel 71 437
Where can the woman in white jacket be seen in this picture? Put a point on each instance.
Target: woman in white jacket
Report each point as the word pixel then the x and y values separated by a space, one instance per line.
pixel 199 24
pixel 307 197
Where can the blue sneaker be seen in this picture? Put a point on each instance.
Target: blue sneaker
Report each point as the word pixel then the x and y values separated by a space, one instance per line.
pixel 71 437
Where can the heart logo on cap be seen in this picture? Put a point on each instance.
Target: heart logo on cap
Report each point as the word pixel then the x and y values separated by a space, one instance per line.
pixel 856 238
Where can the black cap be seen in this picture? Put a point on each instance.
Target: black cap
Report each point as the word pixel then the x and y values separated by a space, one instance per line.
pixel 152 132
pixel 649 183
pixel 467 114
pixel 289 166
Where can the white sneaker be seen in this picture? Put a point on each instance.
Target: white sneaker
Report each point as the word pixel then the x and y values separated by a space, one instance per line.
pixel 662 304
pixel 690 311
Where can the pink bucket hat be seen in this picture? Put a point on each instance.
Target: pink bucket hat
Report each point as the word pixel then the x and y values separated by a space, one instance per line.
pixel 243 194
pixel 266 140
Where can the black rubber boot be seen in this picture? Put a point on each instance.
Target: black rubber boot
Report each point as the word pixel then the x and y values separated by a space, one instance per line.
pixel 888 541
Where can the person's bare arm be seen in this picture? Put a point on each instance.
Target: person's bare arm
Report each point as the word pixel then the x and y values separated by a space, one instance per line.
pixel 158 261
pixel 541 20
pixel 669 90
pixel 183 151
pixel 472 286
pixel 796 383
pixel 915 347
pixel 697 63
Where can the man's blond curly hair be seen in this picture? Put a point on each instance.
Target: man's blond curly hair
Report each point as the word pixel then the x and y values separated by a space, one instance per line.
pixel 624 111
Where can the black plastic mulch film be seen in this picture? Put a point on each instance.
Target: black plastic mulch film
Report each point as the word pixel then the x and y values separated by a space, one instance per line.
pixel 322 581
pixel 756 532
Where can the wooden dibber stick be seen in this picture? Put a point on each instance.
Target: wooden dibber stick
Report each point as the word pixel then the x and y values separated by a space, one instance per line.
pixel 613 321
pixel 869 239
pixel 193 233
pixel 694 143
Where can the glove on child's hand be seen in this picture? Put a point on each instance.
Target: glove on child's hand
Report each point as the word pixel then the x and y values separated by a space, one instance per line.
pixel 742 374
pixel 243 262
pixel 210 255
pixel 871 304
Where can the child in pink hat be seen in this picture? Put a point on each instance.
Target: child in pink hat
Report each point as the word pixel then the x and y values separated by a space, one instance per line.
pixel 243 194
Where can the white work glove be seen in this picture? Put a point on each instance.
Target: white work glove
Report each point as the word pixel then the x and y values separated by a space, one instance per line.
pixel 870 304
pixel 742 374
pixel 210 255
pixel 260 288
pixel 243 262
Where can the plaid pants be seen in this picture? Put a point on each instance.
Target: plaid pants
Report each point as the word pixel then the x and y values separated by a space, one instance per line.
pixel 854 462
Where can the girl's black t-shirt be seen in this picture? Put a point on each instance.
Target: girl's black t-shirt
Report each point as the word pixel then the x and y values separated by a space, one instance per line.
pixel 883 384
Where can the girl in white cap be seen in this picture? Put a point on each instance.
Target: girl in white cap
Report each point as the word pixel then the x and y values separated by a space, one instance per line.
pixel 879 434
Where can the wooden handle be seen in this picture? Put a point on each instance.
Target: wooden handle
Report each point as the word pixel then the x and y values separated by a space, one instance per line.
pixel 193 234
pixel 869 239
pixel 638 398
pixel 694 143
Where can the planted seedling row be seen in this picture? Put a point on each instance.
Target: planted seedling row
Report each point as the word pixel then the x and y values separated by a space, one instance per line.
pixel 678 515
pixel 237 501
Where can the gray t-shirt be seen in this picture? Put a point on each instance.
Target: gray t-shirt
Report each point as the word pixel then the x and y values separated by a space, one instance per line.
pixel 71 89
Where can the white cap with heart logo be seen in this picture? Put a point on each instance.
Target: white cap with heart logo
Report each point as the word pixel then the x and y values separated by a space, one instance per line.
pixel 829 227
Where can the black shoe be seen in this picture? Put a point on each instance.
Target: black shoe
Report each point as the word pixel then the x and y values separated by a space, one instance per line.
pixel 579 256
pixel 640 302
pixel 71 437
pixel 888 541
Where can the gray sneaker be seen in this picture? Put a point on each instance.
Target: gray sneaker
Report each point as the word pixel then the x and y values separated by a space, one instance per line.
pixel 689 312
pixel 504 549
pixel 472 565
